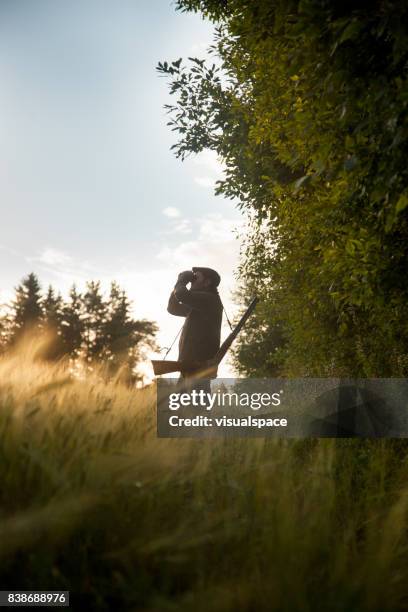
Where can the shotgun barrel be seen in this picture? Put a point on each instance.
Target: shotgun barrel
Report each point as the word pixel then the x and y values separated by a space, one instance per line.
pixel 220 354
pixel 167 367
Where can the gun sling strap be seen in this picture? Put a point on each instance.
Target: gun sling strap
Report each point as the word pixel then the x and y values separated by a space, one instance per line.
pixel 166 367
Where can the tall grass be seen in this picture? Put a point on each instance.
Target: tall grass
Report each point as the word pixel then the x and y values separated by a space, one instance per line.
pixel 94 503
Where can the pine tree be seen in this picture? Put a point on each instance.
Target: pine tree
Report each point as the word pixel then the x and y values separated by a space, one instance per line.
pixel 72 325
pixel 125 336
pixel 95 316
pixel 52 323
pixel 27 308
pixel 52 310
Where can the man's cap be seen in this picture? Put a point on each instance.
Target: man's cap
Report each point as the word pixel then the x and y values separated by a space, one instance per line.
pixel 211 274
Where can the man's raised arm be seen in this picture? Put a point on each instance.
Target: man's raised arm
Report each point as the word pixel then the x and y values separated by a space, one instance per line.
pixel 175 308
pixel 199 300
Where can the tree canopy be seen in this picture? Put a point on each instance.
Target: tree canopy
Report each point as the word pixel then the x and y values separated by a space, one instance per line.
pixel 306 102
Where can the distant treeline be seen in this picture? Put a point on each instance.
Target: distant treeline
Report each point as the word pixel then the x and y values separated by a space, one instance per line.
pixel 87 328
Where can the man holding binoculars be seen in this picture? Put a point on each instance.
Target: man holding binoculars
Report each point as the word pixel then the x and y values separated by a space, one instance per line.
pixel 202 307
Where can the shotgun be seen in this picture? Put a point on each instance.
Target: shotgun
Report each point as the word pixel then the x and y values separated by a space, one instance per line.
pixel 209 367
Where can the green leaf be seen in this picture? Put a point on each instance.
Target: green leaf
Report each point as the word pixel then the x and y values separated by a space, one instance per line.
pixel 350 163
pixel 351 31
pixel 402 203
pixel 300 182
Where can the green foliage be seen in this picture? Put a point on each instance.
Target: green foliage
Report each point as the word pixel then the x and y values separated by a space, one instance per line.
pixel 307 106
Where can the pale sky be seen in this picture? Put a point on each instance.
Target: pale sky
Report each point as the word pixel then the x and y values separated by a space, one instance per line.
pixel 88 186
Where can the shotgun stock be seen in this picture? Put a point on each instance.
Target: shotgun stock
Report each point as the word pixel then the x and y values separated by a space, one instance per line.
pixel 165 367
pixel 207 369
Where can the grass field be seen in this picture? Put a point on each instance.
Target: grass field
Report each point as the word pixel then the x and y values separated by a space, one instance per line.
pixel 94 503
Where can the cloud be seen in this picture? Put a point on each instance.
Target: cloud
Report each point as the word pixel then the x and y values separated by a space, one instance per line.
pixel 63 267
pixel 218 229
pixel 214 168
pixel 215 246
pixel 204 181
pixel 171 212
pixel 178 226
pixel 200 48
pixel 183 227
pixel 53 257
pixel 211 161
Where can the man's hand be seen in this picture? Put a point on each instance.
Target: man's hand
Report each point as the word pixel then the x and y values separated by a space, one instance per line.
pixel 186 277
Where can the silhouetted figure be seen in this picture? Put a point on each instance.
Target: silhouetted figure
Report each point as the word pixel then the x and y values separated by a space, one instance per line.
pixel 202 307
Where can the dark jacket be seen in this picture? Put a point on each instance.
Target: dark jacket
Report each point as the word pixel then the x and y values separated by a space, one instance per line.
pixel 200 336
